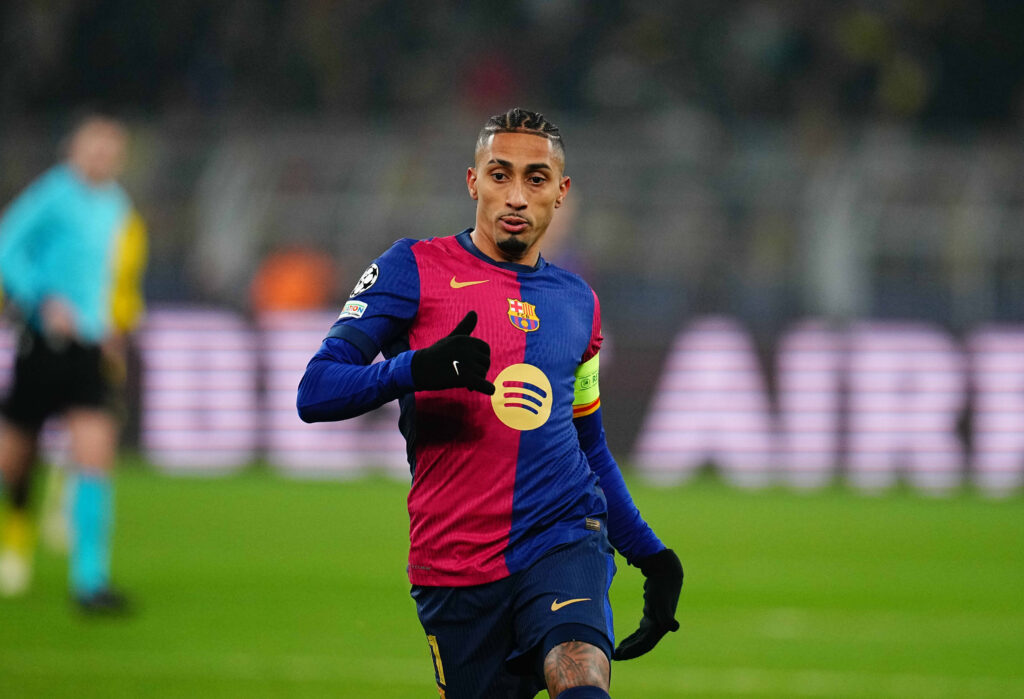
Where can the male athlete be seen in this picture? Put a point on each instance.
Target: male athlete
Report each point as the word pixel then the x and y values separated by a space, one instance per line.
pixel 493 354
pixel 72 252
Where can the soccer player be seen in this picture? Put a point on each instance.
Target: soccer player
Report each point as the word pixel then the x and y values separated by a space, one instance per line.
pixel 493 354
pixel 72 252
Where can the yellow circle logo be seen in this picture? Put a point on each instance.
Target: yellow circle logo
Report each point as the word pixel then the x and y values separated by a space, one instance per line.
pixel 523 397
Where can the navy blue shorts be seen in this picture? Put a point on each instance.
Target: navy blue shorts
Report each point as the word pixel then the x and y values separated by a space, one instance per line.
pixel 489 641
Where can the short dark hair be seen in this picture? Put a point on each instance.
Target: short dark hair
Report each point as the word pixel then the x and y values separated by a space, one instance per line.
pixel 518 120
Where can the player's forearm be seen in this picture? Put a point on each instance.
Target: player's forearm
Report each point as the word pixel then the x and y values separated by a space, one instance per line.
pixel 627 531
pixel 337 384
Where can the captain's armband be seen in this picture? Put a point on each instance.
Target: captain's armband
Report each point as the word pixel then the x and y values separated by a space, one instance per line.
pixel 586 391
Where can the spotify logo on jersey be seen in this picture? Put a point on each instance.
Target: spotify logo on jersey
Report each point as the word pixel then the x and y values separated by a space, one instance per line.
pixel 523 397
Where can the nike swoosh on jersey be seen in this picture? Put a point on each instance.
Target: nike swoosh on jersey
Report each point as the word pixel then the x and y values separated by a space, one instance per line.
pixel 459 285
pixel 556 605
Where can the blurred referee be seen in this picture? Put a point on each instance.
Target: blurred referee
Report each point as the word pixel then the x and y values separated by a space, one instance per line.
pixel 72 253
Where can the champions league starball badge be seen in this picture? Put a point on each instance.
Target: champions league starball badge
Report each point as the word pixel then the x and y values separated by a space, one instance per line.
pixel 367 280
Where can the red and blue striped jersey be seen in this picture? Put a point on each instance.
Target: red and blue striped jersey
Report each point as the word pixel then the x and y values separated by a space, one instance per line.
pixel 496 480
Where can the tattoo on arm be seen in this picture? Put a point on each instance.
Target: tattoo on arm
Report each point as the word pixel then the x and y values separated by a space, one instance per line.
pixel 575 664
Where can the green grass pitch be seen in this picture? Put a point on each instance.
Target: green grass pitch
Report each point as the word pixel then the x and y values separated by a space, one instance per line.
pixel 260 586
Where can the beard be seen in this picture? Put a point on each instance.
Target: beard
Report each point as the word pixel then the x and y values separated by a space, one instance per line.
pixel 513 247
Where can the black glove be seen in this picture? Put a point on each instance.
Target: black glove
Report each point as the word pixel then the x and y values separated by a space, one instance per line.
pixel 664 581
pixel 455 361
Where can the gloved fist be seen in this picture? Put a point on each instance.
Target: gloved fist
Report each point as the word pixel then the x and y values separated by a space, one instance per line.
pixel 664 582
pixel 454 361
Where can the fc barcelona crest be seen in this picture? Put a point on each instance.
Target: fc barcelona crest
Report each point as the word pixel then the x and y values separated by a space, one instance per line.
pixel 523 315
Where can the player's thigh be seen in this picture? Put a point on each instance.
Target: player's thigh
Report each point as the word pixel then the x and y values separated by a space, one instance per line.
pixel 470 634
pixel 563 597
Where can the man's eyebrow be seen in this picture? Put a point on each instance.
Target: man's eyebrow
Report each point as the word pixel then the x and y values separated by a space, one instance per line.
pixel 529 168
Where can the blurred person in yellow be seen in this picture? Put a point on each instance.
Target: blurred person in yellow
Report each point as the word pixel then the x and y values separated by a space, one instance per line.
pixel 72 255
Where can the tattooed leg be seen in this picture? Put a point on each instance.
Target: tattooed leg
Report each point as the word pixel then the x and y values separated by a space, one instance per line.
pixel 575 664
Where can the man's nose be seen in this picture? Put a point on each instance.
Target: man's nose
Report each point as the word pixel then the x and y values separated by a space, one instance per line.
pixel 516 198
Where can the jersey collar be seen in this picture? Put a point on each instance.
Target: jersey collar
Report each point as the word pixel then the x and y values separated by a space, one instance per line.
pixel 469 246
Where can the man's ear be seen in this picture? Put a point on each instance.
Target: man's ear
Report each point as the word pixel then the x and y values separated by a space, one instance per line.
pixel 563 189
pixel 471 182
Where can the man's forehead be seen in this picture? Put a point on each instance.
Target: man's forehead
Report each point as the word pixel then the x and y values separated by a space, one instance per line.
pixel 515 145
pixel 98 131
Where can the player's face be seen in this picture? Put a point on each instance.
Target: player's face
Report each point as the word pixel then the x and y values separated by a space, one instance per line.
pixel 517 183
pixel 98 151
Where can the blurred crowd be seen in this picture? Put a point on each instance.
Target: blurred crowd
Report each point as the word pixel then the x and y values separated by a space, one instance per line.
pixel 933 62
pixel 765 159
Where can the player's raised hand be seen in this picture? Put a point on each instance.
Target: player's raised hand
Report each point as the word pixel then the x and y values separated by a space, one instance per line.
pixel 664 582
pixel 455 361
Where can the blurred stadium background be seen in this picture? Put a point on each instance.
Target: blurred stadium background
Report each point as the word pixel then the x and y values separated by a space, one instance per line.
pixel 818 200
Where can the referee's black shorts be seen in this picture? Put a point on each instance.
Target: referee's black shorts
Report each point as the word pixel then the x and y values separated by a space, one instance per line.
pixel 51 377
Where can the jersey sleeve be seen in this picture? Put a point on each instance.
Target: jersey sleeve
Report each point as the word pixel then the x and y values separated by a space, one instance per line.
pixel 19 228
pixel 627 531
pixel 594 346
pixel 340 382
pixel 383 302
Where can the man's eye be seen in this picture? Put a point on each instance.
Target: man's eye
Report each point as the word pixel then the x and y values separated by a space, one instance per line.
pixel 499 176
pixel 537 179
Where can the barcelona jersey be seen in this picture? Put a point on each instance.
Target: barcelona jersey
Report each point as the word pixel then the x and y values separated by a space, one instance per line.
pixel 496 480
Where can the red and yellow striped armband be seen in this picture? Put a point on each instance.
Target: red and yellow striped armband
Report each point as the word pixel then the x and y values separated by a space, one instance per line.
pixel 586 392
